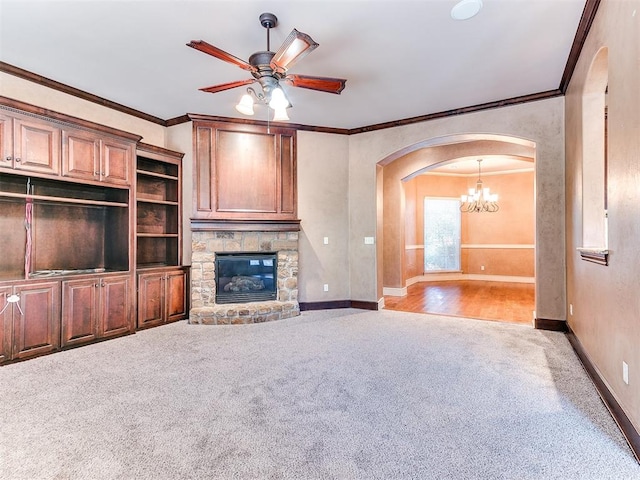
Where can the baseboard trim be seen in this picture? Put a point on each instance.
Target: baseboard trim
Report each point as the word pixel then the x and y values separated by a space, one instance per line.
pixel 325 305
pixel 364 305
pixel 628 430
pixel 548 324
pixel 338 304
pixel 395 291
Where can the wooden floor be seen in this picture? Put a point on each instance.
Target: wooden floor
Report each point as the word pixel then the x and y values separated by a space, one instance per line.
pixel 496 301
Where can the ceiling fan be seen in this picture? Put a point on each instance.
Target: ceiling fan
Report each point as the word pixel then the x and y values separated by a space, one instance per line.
pixel 269 68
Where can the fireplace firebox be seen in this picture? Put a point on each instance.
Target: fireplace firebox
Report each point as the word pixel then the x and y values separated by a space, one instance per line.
pixel 246 277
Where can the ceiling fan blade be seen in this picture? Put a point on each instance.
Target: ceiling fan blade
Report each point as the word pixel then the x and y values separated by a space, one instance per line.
pixel 221 54
pixel 323 84
pixel 226 86
pixel 296 46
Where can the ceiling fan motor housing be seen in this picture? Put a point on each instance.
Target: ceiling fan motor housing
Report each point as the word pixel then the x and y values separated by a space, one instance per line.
pixel 268 20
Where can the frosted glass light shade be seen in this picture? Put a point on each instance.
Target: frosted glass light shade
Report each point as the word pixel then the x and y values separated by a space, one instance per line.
pixel 280 114
pixel 245 106
pixel 278 100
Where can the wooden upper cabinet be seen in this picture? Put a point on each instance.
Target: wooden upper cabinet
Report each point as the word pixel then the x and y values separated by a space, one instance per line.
pixel 36 146
pixel 41 143
pixel 244 172
pixel 80 155
pixel 117 161
pixel 88 156
pixel 6 141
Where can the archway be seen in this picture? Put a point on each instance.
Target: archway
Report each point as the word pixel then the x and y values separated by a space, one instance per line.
pixel 401 169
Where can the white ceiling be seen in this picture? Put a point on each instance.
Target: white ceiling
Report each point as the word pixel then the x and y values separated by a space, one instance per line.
pixel 401 58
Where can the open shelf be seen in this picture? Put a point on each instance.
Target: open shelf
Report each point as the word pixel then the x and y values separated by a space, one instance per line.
pixel 157 209
pixel 73 228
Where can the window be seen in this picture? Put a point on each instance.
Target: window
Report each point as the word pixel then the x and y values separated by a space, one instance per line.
pixel 441 234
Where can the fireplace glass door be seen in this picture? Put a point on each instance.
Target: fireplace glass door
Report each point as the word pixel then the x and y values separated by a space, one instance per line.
pixel 246 277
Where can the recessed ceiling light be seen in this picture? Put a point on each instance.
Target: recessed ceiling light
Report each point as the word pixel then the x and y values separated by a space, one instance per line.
pixel 466 9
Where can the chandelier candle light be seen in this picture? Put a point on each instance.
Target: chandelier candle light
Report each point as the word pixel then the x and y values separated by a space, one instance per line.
pixel 479 199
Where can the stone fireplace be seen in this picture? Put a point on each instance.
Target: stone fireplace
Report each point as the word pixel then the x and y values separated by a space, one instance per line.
pixel 209 247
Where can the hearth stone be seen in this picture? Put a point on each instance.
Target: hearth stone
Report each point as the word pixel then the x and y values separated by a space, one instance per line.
pixel 244 313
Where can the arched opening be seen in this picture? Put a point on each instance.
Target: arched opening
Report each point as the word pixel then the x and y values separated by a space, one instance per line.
pixel 496 248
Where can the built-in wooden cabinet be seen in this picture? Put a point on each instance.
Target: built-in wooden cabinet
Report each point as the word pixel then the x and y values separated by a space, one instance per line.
pixel 162 296
pixel 67 227
pixel 85 212
pixel 81 154
pixel 30 144
pixel 162 282
pixel 244 173
pixel 95 308
pixel 6 323
pixel 35 319
pixel 88 156
pixel 115 306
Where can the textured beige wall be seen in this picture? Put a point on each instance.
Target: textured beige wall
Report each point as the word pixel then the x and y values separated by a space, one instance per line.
pixel 180 139
pixel 323 161
pixel 29 92
pixel 606 299
pixel 541 122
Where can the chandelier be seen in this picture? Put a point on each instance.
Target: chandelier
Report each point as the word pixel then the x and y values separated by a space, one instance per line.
pixel 479 199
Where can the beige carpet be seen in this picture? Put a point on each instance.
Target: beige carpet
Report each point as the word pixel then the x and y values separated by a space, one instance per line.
pixel 342 394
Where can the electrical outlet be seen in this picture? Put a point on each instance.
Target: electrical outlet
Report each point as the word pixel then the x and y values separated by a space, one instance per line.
pixel 482 267
pixel 326 287
pixel 625 372
pixel 571 309
pixel 325 240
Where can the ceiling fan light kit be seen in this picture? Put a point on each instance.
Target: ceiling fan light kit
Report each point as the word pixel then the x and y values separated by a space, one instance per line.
pixel 269 68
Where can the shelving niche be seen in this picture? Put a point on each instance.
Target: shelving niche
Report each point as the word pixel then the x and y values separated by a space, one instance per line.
pixel 158 211
pixel 75 228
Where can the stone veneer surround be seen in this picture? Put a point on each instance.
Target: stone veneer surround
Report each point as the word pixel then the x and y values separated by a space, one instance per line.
pixel 206 243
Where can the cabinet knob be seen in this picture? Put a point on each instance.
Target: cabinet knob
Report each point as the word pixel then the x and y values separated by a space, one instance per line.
pixel 9 158
pixel 17 159
pixel 96 173
pixel 96 285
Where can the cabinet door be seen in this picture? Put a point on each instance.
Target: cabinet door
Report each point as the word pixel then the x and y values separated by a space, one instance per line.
pixel 117 158
pixel 6 141
pixel 151 304
pixel 36 146
pixel 37 329
pixel 114 318
pixel 5 324
pixel 176 291
pixel 79 311
pixel 80 155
